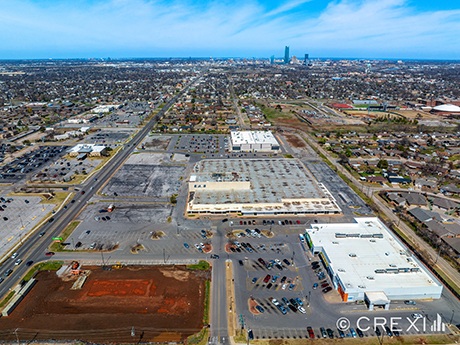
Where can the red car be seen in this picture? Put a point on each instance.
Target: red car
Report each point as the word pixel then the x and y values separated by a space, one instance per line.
pixel 298 222
pixel 324 285
pixel 311 333
pixel 241 222
pixel 82 192
pixel 49 253
pixel 267 278
pixel 326 290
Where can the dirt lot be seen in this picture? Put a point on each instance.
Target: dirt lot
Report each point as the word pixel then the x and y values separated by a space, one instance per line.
pixel 161 303
pixel 295 141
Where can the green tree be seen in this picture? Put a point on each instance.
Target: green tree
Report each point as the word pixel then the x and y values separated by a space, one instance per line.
pixel 382 164
pixel 343 159
pixel 348 152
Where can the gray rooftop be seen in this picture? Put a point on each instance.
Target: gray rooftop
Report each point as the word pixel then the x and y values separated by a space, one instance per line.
pixel 271 181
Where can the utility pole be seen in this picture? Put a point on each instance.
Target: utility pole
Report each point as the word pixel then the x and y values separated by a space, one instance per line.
pixel 164 255
pixel 437 257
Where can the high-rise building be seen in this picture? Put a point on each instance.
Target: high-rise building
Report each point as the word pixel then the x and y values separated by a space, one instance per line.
pixel 272 59
pixel 286 54
pixel 306 59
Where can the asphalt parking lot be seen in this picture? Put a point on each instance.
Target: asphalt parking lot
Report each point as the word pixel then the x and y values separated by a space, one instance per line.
pixel 155 181
pixel 157 142
pixel 63 169
pixel 319 311
pixel 202 143
pixel 21 217
pixel 109 136
pixel 126 224
pixel 118 119
pixel 346 198
pixel 29 163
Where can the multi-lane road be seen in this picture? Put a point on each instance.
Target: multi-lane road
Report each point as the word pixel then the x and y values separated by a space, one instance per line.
pixel 35 247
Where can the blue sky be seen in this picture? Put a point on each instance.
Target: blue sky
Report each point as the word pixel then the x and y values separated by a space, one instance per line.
pixel 242 28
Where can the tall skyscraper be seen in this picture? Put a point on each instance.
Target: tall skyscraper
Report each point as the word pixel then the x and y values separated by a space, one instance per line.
pixel 286 54
pixel 306 59
pixel 272 59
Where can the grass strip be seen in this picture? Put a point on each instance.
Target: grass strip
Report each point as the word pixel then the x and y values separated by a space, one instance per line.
pixel 44 266
pixel 206 302
pixel 56 246
pixel 7 299
pixel 202 265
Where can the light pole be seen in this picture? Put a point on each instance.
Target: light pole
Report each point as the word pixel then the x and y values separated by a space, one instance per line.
pixel 16 332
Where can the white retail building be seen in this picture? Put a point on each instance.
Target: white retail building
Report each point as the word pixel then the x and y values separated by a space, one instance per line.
pixel 254 141
pixel 365 261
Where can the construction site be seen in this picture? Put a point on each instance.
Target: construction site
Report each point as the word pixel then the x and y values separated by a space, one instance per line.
pixel 109 304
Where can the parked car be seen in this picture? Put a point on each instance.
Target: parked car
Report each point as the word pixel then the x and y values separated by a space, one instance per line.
pixel 311 334
pixel 259 309
pixel 323 332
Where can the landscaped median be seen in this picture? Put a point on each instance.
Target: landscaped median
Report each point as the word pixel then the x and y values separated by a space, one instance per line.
pixel 43 266
pixel 57 246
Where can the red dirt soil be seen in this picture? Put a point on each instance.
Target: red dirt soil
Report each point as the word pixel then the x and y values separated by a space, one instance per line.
pixel 161 303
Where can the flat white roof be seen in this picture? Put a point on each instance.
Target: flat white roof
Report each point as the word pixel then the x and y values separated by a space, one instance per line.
pixel 92 147
pixel 356 250
pixel 253 137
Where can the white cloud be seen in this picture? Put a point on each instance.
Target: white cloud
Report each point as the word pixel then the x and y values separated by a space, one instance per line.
pixel 388 28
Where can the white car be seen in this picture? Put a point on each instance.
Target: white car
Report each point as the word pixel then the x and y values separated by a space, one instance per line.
pixel 278 262
pixel 301 309
pixel 18 261
pixel 197 246
pixel 238 235
pixel 202 245
pixel 417 316
pixel 284 286
pixel 14 255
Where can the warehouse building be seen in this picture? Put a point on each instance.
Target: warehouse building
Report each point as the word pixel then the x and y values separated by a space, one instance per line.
pixel 254 141
pixel 365 261
pixel 257 187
